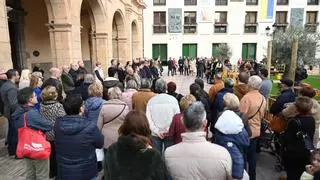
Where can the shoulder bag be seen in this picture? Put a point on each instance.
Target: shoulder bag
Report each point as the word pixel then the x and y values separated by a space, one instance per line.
pixel 303 137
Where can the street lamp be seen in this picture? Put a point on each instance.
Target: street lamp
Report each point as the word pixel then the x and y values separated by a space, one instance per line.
pixel 269 53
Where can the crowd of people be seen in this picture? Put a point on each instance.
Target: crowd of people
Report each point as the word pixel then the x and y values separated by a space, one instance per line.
pixel 132 124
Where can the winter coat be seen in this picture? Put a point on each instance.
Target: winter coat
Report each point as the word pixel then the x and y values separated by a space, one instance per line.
pixel 218 105
pixel 177 128
pixel 127 97
pixel 76 141
pixel 196 158
pixel 67 82
pixel 111 117
pixel 240 90
pixel 232 135
pixel 56 83
pixel 131 159
pixel 9 92
pixel 286 96
pixel 1 101
pixel 92 108
pixel 82 89
pixel 37 91
pixel 74 74
pixel 140 99
pixel 51 110
pixel 177 96
pixel 218 86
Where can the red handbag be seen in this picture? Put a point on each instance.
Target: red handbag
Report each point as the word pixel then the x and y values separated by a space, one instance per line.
pixel 32 143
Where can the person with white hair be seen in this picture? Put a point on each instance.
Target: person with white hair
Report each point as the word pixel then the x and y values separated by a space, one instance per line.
pixel 232 134
pixel 195 157
pixel 54 80
pixel 160 110
pixel 253 105
pixel 24 79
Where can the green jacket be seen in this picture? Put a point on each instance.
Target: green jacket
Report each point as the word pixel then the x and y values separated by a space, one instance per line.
pixel 67 82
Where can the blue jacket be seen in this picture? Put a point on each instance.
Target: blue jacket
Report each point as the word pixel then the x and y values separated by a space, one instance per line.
pixel 286 96
pixel 76 140
pixel 235 144
pixel 92 108
pixel 34 119
pixel 217 106
pixel 37 91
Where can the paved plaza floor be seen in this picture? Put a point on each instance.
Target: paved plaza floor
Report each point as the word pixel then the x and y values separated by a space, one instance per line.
pixel 12 169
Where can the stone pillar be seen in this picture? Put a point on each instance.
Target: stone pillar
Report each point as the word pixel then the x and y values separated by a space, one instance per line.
pixel 123 50
pixel 61 44
pixel 100 49
pixel 5 50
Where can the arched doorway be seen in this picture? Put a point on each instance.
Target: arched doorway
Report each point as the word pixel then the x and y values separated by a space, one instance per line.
pixel 29 36
pixel 118 38
pixel 86 35
pixel 134 40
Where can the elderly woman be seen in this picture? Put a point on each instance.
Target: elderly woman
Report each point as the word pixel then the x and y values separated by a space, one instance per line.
pixel 297 136
pixel 177 127
pixel 112 116
pixel 171 88
pixel 131 88
pixel 291 111
pixel 51 109
pixel 132 156
pixel 232 135
pixel 94 103
pixel 253 105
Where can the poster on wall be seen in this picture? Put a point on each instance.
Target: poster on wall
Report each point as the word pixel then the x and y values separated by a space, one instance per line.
pixel 267 10
pixel 296 17
pixel 205 2
pixel 175 20
pixel 205 15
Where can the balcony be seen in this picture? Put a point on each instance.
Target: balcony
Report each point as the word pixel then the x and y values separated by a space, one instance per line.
pixel 190 28
pixel 252 3
pixel 282 2
pixel 220 27
pixel 311 28
pixel 221 2
pixel 159 28
pixel 250 28
pixel 313 2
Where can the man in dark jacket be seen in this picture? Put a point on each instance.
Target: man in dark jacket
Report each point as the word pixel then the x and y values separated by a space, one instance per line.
pixel 9 92
pixel 170 67
pixel 54 81
pixel 181 64
pixel 113 69
pixel 3 79
pixel 287 96
pixel 82 69
pixel 67 81
pixel 76 141
pixel 36 168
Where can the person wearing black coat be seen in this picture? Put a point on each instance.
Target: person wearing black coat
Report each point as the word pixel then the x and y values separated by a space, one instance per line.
pixel 54 81
pixel 181 64
pixel 76 140
pixel 296 154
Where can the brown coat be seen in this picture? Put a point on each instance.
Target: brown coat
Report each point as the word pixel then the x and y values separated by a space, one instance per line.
pixel 218 86
pixel 291 111
pixel 140 99
pixel 240 90
pixel 249 105
pixel 111 117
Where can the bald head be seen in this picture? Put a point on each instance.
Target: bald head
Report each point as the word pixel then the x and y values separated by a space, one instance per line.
pixel 55 72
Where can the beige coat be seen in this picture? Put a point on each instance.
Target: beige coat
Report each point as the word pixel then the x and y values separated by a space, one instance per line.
pixel 111 117
pixel 249 105
pixel 291 111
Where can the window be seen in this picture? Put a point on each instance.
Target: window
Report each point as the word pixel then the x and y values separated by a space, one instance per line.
pixel 159 22
pixel 311 21
pixel 220 22
pixel 282 2
pixel 190 22
pixel 281 17
pixel 249 51
pixel 252 2
pixel 313 2
pixel 221 2
pixel 190 2
pixel 189 50
pixel 160 51
pixel 159 2
pixel 250 22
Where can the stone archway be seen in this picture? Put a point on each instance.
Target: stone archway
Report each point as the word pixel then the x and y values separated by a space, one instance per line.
pixel 134 40
pixel 119 40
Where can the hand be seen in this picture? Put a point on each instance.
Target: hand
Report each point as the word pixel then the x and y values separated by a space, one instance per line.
pixel 160 135
pixel 310 169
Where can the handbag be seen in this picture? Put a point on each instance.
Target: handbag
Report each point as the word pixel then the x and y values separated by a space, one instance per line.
pixel 32 143
pixel 277 124
pixel 306 140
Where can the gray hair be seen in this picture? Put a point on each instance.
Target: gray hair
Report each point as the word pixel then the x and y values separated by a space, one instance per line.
pixel 231 102
pixel 88 78
pixel 131 84
pixel 145 84
pixel 160 86
pixel 114 93
pixel 254 82
pixel 194 116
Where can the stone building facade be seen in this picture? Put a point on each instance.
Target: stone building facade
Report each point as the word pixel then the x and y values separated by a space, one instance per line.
pixel 57 32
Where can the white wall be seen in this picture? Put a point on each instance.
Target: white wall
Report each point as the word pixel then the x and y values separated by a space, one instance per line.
pixel 235 35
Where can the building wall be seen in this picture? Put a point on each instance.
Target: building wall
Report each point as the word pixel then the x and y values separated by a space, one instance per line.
pixel 205 36
pixel 5 49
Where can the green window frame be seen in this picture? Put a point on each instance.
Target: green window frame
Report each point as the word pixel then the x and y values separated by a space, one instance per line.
pixel 249 51
pixel 189 50
pixel 160 50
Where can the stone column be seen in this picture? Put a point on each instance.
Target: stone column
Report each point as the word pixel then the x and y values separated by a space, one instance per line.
pixel 123 50
pixel 61 44
pixel 5 50
pixel 100 49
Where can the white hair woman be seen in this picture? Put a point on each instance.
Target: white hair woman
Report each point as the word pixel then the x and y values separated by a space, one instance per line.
pixel 231 134
pixel 253 105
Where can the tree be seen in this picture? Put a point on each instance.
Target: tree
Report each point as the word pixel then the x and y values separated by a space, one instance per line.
pixel 224 51
pixel 282 46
